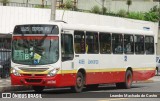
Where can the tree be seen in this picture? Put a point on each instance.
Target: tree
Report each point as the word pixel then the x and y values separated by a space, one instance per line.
pixel 27 3
pixel 42 3
pixel 69 4
pixel 103 8
pixel 53 10
pixel 5 2
pixel 129 2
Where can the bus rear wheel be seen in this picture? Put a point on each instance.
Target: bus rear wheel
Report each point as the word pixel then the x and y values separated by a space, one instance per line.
pixel 79 83
pixel 128 81
pixel 38 88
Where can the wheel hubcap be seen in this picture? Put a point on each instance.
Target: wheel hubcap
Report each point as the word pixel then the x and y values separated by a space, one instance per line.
pixel 129 80
pixel 79 81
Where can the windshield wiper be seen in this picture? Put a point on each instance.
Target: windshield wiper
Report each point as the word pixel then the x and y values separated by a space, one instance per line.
pixel 42 40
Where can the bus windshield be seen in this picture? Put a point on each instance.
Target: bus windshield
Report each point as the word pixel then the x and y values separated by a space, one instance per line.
pixel 35 50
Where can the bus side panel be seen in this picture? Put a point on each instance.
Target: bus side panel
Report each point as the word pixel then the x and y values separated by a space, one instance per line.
pixel 143 66
pixel 68 73
pixel 105 77
pixel 93 78
pixel 110 69
pixel 68 79
pixel 143 75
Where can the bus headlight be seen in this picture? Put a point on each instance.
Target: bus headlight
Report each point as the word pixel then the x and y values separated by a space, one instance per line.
pixel 53 72
pixel 15 72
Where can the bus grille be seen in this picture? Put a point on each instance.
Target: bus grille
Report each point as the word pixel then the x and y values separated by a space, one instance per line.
pixel 33 80
pixel 34 69
pixel 36 75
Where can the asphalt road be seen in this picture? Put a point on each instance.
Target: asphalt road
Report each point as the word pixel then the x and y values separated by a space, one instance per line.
pixel 103 93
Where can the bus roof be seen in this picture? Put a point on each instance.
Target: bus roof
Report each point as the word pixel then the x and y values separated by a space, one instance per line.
pixel 82 27
pixel 105 29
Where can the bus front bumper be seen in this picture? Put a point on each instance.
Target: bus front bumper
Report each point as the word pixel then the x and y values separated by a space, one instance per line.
pixel 30 80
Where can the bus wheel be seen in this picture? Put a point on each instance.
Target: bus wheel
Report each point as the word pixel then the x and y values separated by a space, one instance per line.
pixel 38 88
pixel 92 87
pixel 128 81
pixel 79 83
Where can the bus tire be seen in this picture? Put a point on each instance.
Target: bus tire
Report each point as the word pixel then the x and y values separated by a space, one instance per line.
pixel 38 88
pixel 128 81
pixel 79 83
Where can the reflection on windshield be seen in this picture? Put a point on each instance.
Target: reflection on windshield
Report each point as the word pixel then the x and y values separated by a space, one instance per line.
pixel 37 50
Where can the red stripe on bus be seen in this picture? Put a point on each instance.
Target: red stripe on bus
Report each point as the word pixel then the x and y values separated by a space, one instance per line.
pixel 63 80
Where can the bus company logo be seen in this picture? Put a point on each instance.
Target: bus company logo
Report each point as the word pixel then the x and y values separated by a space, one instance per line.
pixel 6 95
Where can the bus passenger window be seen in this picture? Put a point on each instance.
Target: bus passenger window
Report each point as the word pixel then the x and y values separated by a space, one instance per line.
pixel 139 44
pixel 128 44
pixel 117 43
pixel 79 42
pixel 149 45
pixel 67 47
pixel 92 42
pixel 105 43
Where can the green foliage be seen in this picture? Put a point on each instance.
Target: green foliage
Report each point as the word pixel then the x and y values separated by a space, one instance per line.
pixel 122 13
pixel 152 16
pixel 129 2
pixel 104 10
pixel 148 16
pixel 95 10
pixel 5 2
pixel 155 9
pixel 69 4
pixel 62 6
pixel 112 14
pixel 40 6
pixel 136 15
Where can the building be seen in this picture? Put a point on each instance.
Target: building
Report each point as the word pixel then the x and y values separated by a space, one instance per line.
pixel 116 5
pixel 111 5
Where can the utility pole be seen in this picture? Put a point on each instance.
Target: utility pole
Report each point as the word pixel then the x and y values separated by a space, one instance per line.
pixel 103 6
pixel 53 9
pixel 27 3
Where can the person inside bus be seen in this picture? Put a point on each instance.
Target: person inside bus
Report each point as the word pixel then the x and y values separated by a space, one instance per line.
pixel 128 48
pixel 86 48
pixel 82 45
pixel 118 49
pixel 106 48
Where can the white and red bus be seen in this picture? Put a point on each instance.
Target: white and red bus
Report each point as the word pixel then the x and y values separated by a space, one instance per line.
pixel 58 54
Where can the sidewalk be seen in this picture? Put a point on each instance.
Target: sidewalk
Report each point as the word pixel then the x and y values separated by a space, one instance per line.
pixel 5 84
